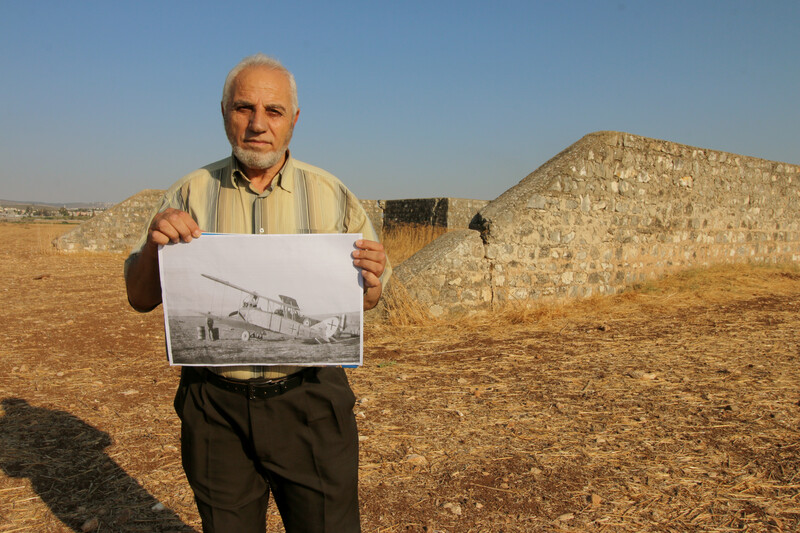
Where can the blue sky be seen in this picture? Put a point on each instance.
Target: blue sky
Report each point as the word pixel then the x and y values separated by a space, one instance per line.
pixel 99 100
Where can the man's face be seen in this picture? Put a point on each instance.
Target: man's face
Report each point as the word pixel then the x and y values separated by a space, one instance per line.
pixel 259 118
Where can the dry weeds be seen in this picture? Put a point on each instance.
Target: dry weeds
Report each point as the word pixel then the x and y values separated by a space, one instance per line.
pixel 670 408
pixel 404 240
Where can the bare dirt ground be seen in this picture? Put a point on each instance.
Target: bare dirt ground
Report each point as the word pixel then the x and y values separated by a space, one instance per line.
pixel 674 408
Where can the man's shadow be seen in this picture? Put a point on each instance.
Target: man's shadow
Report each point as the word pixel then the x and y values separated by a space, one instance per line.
pixel 63 457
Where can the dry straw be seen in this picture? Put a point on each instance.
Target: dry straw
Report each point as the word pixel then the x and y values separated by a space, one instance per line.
pixel 404 240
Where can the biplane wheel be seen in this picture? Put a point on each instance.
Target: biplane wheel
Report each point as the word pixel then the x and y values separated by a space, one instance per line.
pixel 306 322
pixel 245 335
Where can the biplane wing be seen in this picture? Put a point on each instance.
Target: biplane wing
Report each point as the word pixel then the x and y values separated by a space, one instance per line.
pixel 292 304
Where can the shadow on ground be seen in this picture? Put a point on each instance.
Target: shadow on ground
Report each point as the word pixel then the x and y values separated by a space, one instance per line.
pixel 63 458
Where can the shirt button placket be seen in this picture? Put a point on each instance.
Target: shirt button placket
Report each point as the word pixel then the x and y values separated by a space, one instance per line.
pixel 257 221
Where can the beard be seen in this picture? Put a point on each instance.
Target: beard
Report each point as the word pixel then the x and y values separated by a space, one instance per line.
pixel 258 160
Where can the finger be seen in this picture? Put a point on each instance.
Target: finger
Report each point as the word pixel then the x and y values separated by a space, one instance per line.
pixel 158 238
pixel 172 230
pixel 370 250
pixel 375 257
pixel 184 223
pixel 174 226
pixel 375 268
pixel 162 232
pixel 365 244
pixel 370 280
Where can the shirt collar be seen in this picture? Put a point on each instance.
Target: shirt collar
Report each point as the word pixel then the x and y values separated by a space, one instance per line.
pixel 284 179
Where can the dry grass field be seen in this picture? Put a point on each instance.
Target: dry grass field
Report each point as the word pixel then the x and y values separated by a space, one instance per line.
pixel 672 407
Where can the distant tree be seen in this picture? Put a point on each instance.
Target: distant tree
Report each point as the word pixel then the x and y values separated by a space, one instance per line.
pixel 63 212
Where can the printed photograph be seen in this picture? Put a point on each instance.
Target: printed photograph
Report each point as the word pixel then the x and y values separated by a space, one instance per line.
pixel 263 300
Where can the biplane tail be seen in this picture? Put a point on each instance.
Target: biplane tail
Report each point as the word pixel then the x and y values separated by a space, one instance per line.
pixel 325 329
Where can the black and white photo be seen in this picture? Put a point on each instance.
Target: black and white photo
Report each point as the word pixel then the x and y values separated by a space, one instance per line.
pixel 262 300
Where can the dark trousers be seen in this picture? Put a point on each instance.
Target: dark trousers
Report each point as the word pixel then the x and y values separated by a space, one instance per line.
pixel 302 446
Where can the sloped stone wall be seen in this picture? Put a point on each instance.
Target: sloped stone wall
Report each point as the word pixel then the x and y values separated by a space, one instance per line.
pixel 614 209
pixel 450 275
pixel 116 229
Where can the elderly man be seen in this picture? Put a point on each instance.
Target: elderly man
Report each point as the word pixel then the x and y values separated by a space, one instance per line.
pixel 294 434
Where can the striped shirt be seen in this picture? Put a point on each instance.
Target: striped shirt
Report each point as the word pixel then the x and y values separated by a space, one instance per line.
pixel 300 199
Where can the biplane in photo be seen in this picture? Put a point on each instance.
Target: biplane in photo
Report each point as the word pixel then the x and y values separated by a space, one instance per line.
pixel 262 317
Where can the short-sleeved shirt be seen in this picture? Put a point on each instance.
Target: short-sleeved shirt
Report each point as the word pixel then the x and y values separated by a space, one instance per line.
pixel 300 199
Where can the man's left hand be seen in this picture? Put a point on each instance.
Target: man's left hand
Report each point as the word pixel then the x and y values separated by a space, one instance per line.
pixel 371 259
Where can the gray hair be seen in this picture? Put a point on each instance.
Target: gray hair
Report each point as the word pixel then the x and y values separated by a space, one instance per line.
pixel 258 60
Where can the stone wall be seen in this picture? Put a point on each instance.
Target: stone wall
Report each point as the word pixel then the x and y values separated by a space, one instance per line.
pixel 611 210
pixel 462 211
pixel 116 229
pixel 445 212
pixel 374 209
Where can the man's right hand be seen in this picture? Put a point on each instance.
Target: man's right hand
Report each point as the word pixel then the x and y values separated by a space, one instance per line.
pixel 172 226
pixel 143 282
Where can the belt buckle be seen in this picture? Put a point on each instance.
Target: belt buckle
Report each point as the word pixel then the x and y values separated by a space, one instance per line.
pixel 279 384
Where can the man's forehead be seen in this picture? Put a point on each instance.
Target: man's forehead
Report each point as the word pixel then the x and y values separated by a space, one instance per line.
pixel 258 76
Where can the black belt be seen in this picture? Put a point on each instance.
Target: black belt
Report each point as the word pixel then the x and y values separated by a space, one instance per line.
pixel 256 389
